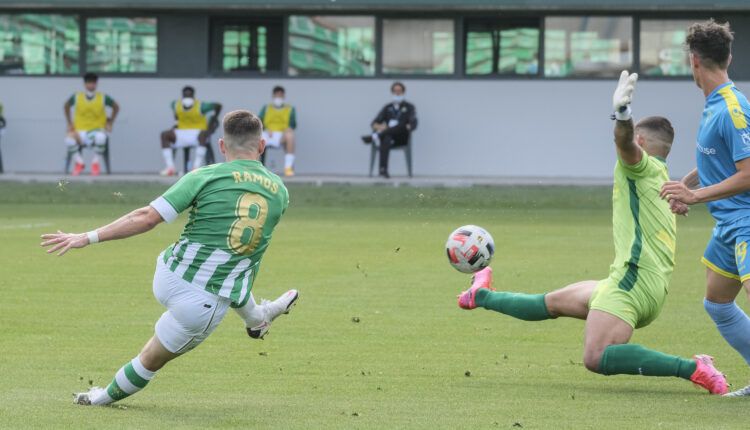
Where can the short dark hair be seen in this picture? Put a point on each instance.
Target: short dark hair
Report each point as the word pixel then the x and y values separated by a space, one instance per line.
pixel 711 42
pixel 242 130
pixel 278 89
pixel 658 127
pixel 398 84
pixel 90 77
pixel 188 88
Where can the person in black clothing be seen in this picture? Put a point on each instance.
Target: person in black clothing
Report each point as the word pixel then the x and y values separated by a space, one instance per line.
pixel 392 126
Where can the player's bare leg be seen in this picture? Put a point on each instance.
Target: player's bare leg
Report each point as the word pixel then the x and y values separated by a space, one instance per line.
pixel 730 320
pixel 571 301
pixel 168 138
pixel 606 350
pixel 602 330
pixel 131 378
pixel 288 140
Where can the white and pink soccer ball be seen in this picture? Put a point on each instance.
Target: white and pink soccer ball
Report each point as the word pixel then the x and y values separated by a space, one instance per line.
pixel 470 248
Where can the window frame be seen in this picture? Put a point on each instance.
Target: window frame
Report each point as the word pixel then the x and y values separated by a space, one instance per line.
pixel 459 20
pixel 503 17
pixel 377 43
pixel 381 51
pixel 676 16
pixel 116 14
pixel 217 22
pixel 635 42
pixel 81 46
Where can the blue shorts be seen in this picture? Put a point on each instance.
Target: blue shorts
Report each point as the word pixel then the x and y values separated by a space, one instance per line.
pixel 727 249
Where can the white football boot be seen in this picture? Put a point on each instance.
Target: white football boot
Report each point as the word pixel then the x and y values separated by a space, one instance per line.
pixel 85 397
pixel 271 310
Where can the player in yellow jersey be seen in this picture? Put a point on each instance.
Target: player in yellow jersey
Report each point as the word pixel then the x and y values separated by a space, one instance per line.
pixel 89 126
pixel 279 121
pixel 192 129
pixel 633 294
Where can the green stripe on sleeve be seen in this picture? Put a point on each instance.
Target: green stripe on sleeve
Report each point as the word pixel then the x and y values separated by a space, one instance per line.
pixel 631 277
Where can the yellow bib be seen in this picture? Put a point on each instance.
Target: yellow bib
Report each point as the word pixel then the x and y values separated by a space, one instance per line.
pixel 191 119
pixel 90 114
pixel 277 119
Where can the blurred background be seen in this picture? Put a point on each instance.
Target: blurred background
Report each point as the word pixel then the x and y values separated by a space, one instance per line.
pixel 502 88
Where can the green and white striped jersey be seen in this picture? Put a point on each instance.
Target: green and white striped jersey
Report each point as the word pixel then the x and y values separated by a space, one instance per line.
pixel 234 207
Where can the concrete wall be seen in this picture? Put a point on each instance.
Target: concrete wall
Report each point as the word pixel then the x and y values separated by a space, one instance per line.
pixel 467 127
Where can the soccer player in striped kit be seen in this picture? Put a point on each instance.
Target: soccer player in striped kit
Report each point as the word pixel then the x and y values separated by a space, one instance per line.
pixel 234 208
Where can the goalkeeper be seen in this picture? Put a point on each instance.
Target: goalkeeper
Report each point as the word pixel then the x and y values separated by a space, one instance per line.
pixel 633 294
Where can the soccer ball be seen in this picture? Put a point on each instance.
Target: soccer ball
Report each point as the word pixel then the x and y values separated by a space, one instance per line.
pixel 470 248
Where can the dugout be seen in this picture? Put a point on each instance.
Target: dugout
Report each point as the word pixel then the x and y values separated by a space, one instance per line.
pixel 502 88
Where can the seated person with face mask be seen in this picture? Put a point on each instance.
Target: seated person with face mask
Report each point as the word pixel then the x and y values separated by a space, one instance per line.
pixel 191 130
pixel 392 126
pixel 89 126
pixel 279 121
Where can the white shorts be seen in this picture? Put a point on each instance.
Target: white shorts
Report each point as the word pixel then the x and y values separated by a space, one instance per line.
pixel 186 138
pixel 273 138
pixel 192 313
pixel 90 138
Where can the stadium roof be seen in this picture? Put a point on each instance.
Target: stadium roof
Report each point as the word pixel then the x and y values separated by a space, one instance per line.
pixel 344 5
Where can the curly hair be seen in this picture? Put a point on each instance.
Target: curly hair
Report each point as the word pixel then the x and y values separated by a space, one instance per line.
pixel 711 42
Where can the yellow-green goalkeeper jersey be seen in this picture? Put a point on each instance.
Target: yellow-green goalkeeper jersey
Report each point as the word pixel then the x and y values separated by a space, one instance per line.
pixel 234 207
pixel 644 229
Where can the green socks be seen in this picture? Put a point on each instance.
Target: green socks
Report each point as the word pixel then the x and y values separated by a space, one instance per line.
pixel 627 359
pixel 130 379
pixel 630 359
pixel 527 307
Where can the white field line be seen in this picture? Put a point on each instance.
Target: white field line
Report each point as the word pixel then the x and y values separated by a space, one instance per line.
pixel 24 226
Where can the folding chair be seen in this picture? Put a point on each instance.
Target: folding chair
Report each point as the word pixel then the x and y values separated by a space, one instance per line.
pixel 374 149
pixel 105 158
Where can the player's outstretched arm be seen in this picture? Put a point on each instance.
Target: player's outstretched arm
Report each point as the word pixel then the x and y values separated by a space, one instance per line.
pixel 136 222
pixel 627 150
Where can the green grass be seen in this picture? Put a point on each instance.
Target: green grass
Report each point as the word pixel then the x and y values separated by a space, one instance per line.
pixel 374 253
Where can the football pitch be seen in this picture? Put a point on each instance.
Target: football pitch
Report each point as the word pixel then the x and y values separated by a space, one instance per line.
pixel 376 339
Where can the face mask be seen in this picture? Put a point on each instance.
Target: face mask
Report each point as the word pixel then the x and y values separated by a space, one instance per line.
pixel 187 102
pixel 90 94
pixel 278 102
pixel 398 99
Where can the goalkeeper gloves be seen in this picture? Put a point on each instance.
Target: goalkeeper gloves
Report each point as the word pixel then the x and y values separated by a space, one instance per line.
pixel 624 95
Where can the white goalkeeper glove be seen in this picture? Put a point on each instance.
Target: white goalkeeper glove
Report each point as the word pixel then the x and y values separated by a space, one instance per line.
pixel 624 95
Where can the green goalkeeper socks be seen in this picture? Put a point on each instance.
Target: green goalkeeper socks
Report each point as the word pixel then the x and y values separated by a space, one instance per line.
pixel 527 307
pixel 630 359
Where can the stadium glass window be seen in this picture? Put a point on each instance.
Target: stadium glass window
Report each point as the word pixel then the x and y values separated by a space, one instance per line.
pixel 587 46
pixel 121 45
pixel 331 45
pixel 418 46
pixel 249 45
pixel 502 47
pixel 39 44
pixel 663 51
